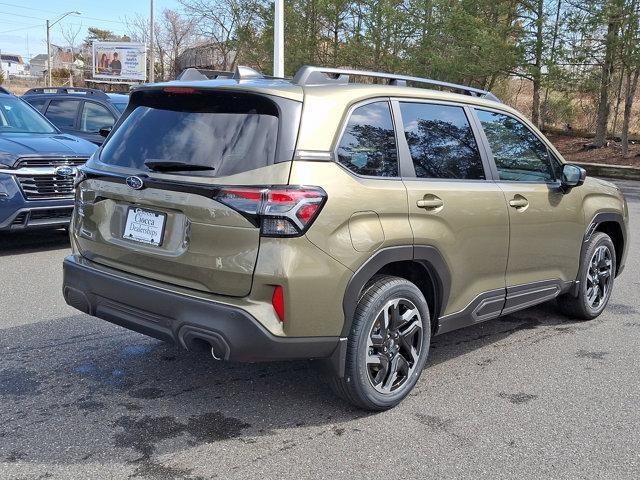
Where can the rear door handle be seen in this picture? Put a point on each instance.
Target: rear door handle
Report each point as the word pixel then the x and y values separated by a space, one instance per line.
pixel 430 202
pixel 519 202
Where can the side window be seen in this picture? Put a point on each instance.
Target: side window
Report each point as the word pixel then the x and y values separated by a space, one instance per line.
pixel 37 103
pixel 441 141
pixel 519 155
pixel 94 117
pixel 62 112
pixel 368 145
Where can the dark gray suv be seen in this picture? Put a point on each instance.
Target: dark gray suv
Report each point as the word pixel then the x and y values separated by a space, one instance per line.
pixel 82 112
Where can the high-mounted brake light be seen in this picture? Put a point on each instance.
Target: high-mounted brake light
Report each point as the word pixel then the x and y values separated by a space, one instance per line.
pixel 179 90
pixel 286 211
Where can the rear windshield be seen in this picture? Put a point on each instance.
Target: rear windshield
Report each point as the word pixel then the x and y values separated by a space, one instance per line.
pixel 231 132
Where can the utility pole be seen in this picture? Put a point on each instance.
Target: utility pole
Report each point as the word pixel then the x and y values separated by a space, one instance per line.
pixel 278 39
pixel 152 61
pixel 49 43
pixel 48 57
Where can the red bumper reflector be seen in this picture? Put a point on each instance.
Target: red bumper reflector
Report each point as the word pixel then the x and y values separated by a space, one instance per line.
pixel 278 302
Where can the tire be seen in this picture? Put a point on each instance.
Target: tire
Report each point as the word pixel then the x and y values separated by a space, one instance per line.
pixel 375 386
pixel 597 272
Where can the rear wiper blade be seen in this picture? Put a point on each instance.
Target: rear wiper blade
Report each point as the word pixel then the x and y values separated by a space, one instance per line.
pixel 171 166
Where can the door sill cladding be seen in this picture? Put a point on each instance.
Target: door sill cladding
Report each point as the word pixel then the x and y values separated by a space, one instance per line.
pixel 484 307
pixel 495 303
pixel 528 297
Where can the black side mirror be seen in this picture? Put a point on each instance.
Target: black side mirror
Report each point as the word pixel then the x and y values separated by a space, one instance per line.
pixel 572 176
pixel 105 131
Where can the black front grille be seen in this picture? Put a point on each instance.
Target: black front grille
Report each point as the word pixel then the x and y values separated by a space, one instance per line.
pixel 49 162
pixel 42 217
pixel 52 214
pixel 46 186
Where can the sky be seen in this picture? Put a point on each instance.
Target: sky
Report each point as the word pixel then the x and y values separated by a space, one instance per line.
pixel 22 23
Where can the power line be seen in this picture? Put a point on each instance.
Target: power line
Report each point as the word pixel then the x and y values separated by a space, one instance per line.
pixel 11 22
pixel 83 16
pixel 22 28
pixel 28 8
pixel 20 15
pixel 104 20
pixel 29 27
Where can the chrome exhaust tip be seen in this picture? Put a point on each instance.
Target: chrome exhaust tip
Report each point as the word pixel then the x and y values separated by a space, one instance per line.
pixel 213 354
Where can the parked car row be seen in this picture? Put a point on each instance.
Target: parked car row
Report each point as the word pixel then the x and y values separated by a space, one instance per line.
pixel 82 112
pixel 44 137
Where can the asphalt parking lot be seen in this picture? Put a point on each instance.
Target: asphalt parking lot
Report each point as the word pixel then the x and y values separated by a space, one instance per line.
pixel 530 395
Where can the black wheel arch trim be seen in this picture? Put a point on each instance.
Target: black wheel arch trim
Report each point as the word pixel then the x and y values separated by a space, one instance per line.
pixel 598 219
pixel 429 257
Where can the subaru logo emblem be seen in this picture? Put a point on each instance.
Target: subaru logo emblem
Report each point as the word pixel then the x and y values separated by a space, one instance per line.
pixel 135 182
pixel 65 171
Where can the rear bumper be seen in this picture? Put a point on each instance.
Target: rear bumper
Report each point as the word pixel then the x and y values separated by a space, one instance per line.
pixel 232 333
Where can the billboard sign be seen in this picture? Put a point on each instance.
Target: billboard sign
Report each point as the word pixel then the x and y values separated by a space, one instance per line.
pixel 119 61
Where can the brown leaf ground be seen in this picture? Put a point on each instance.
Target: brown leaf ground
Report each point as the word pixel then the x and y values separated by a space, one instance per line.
pixel 573 150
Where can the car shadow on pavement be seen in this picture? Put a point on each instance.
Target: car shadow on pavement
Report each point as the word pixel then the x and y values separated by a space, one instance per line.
pixel 543 321
pixel 102 392
pixel 33 241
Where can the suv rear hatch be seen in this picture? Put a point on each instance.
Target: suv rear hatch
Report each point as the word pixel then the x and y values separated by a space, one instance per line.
pixel 173 193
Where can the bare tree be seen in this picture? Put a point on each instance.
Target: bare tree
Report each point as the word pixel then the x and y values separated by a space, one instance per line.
pixel 177 33
pixel 137 27
pixel 534 15
pixel 611 45
pixel 220 22
pixel 632 86
pixel 630 66
pixel 70 35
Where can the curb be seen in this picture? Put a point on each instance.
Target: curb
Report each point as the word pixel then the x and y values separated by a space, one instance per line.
pixel 610 171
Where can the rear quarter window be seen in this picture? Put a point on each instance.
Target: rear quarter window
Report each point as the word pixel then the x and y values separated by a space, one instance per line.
pixel 368 144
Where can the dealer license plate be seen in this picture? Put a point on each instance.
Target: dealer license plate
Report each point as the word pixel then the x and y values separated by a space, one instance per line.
pixel 144 226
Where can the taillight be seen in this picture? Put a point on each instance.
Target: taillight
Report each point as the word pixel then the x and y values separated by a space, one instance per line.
pixel 286 211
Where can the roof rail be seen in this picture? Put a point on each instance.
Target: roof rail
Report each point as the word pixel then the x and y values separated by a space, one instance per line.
pixel 203 74
pixel 5 91
pixel 240 73
pixel 311 75
pixel 45 90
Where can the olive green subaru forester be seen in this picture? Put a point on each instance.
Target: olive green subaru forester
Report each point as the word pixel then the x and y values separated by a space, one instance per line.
pixel 271 219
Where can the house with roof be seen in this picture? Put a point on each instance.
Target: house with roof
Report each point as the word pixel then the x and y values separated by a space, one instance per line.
pixel 61 57
pixel 38 65
pixel 12 64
